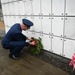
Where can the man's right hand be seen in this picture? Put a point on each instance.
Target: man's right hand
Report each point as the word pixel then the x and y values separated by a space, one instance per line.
pixel 32 43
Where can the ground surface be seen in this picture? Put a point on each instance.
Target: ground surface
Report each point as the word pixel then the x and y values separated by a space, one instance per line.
pixel 26 65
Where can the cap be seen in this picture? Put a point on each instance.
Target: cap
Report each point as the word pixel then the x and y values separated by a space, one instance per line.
pixel 27 22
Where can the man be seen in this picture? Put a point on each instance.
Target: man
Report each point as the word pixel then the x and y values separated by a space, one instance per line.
pixel 15 40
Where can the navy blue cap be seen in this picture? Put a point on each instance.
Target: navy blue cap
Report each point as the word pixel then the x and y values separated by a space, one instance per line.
pixel 27 22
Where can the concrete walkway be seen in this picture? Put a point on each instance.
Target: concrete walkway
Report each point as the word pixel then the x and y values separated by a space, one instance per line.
pixel 26 65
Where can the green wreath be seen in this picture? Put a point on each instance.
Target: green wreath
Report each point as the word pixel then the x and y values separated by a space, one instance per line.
pixel 37 49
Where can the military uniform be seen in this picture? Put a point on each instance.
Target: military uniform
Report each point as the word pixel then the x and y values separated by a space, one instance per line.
pixel 14 39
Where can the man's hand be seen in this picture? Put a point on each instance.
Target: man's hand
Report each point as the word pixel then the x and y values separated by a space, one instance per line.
pixel 29 39
pixel 33 43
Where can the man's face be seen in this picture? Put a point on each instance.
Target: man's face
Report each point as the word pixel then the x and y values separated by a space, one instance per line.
pixel 24 27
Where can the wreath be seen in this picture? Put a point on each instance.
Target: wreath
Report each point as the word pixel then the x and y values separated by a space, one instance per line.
pixel 37 48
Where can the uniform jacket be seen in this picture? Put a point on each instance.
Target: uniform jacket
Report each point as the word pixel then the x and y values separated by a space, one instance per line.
pixel 14 34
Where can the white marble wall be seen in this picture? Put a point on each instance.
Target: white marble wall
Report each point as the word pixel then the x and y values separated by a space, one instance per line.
pixel 54 22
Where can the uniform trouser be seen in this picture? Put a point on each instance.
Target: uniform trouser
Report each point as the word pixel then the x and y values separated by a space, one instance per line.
pixel 15 47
